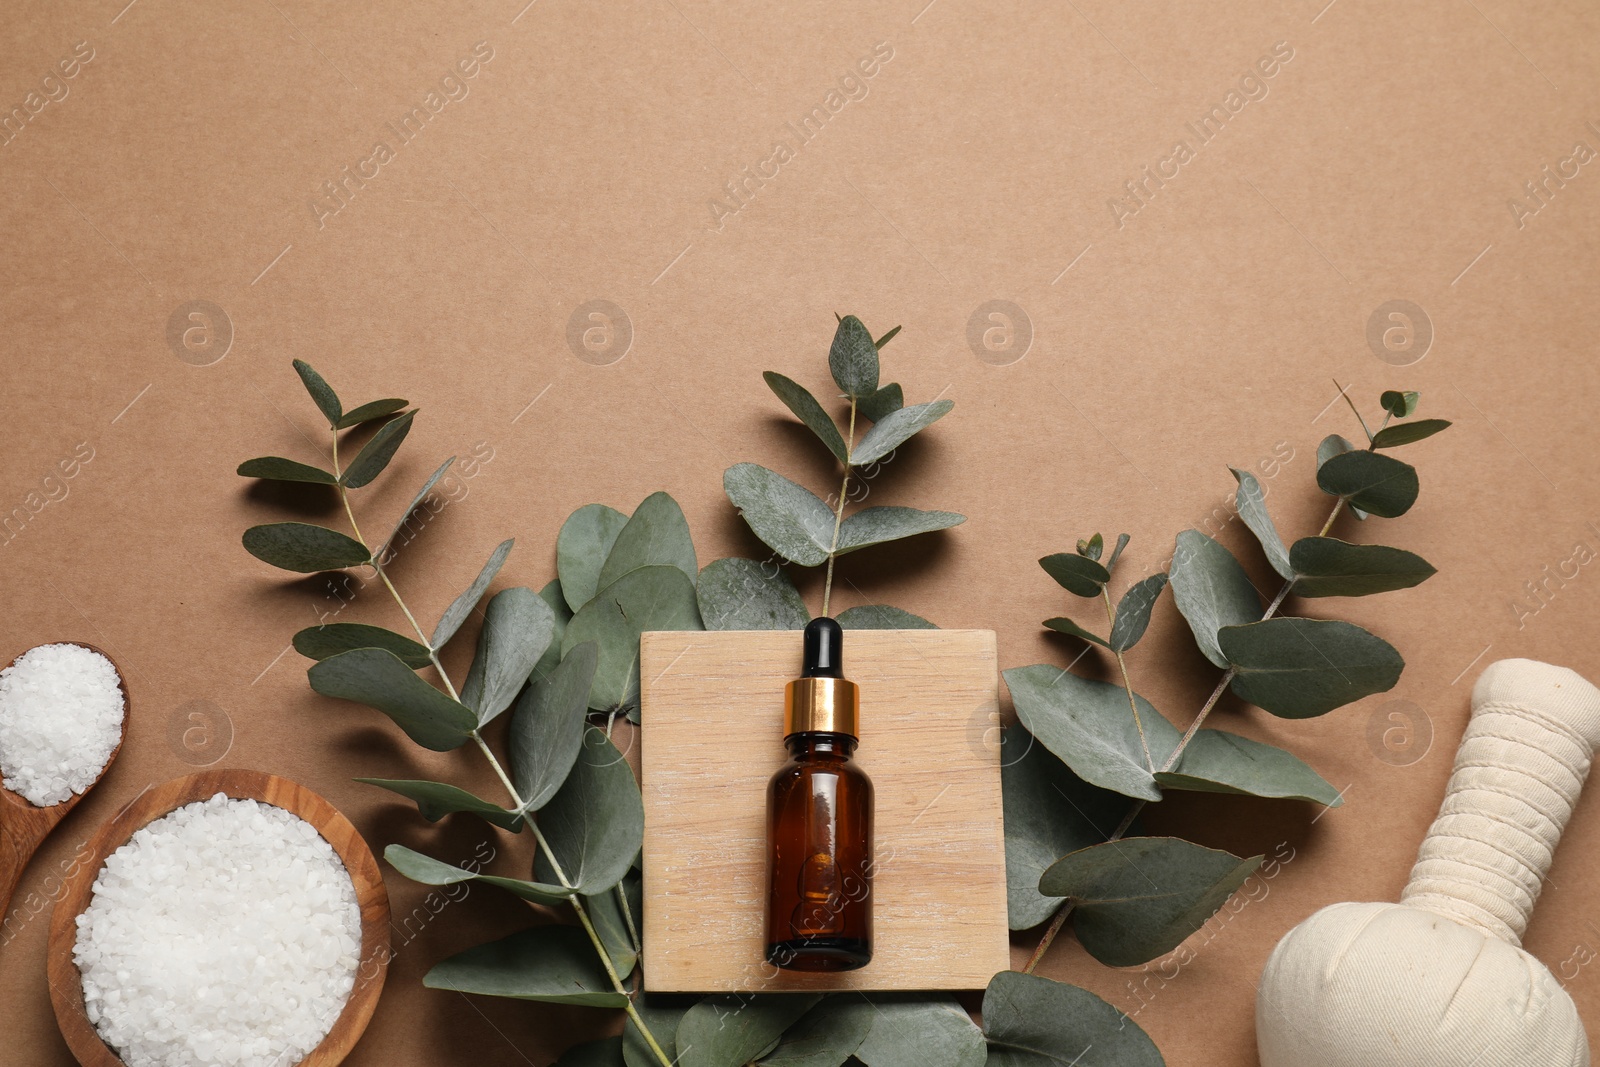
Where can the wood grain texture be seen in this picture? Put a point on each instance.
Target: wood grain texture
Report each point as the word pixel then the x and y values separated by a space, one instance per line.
pixel 66 983
pixel 24 826
pixel 712 706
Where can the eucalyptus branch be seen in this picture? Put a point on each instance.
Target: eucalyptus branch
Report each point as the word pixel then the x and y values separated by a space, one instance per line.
pixel 516 798
pixel 1064 912
pixel 801 527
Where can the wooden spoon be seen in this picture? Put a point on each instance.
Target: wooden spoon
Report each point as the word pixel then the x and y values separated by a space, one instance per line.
pixel 24 825
pixel 66 982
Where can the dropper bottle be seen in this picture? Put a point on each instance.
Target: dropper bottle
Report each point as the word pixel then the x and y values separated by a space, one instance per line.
pixel 819 820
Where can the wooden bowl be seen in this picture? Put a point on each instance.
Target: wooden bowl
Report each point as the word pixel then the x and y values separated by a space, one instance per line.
pixel 23 825
pixel 66 982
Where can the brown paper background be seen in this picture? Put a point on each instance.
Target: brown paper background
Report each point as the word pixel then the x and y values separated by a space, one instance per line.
pixel 1201 333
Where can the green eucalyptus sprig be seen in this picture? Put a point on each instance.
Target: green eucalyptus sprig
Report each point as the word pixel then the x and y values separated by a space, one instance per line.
pixel 583 808
pixel 799 526
pixel 1099 743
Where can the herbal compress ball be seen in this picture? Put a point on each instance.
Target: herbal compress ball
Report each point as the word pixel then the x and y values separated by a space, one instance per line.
pixel 225 932
pixel 1441 979
pixel 61 713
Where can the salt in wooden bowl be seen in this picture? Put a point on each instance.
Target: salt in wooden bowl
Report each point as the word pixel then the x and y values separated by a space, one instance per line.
pixel 66 983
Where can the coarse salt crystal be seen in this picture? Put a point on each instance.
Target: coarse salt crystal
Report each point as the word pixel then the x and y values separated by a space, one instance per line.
pixel 214 935
pixel 61 712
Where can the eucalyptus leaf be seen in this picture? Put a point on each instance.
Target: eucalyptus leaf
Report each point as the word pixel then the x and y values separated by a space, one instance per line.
pixel 827 1035
pixel 885 339
pixel 303 547
pixel 1078 575
pixel 602 1052
pixel 549 963
pixel 656 535
pixel 321 392
pixel 429 871
pixel 921 1030
pixel 791 519
pixel 895 428
pixel 1133 612
pixel 547 727
pixel 1327 566
pixel 1049 811
pixel 330 639
pixel 560 615
pixel 377 409
pixel 581 550
pixel 605 912
pixel 806 408
pixel 1215 761
pixel 889 398
pixel 1406 432
pixel 1089 725
pixel 1116 553
pixel 1092 548
pixel 1299 668
pixel 1211 590
pixel 1251 501
pixel 1067 626
pixel 378 678
pixel 278 469
pixel 650 598
pixel 731 1031
pixel 1330 446
pixel 1334 445
pixel 435 800
pixel 1139 898
pixel 881 617
pixel 416 502
pixel 1036 1022
pixel 853 359
pixel 1400 405
pixel 377 452
pixel 595 822
pixel 462 606
pixel 1376 483
pixel 876 526
pixel 517 628
pixel 741 594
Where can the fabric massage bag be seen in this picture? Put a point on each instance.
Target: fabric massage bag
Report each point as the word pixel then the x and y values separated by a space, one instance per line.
pixel 1441 979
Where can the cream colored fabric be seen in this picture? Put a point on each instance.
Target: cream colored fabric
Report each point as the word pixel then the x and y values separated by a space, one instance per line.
pixel 1441 980
pixel 1384 985
pixel 1518 772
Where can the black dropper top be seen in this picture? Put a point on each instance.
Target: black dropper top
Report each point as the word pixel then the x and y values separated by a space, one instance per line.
pixel 824 651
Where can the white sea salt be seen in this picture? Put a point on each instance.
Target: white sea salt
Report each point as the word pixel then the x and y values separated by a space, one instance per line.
pixel 60 716
pixel 224 932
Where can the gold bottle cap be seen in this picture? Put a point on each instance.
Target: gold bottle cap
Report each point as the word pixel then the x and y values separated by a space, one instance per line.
pixel 821 705
pixel 822 700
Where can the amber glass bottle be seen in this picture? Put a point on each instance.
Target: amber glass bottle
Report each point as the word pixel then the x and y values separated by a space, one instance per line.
pixel 819 821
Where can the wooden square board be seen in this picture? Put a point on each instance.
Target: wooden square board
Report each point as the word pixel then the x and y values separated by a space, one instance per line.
pixel 712 707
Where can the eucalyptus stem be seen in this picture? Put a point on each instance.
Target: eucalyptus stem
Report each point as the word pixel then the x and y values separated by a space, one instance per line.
pixel 344 498
pixel 1345 393
pixel 627 917
pixel 1062 913
pixel 1127 683
pixel 838 513
pixel 505 780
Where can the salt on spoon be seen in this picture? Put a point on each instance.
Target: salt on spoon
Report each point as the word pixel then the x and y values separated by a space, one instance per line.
pixel 63 714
